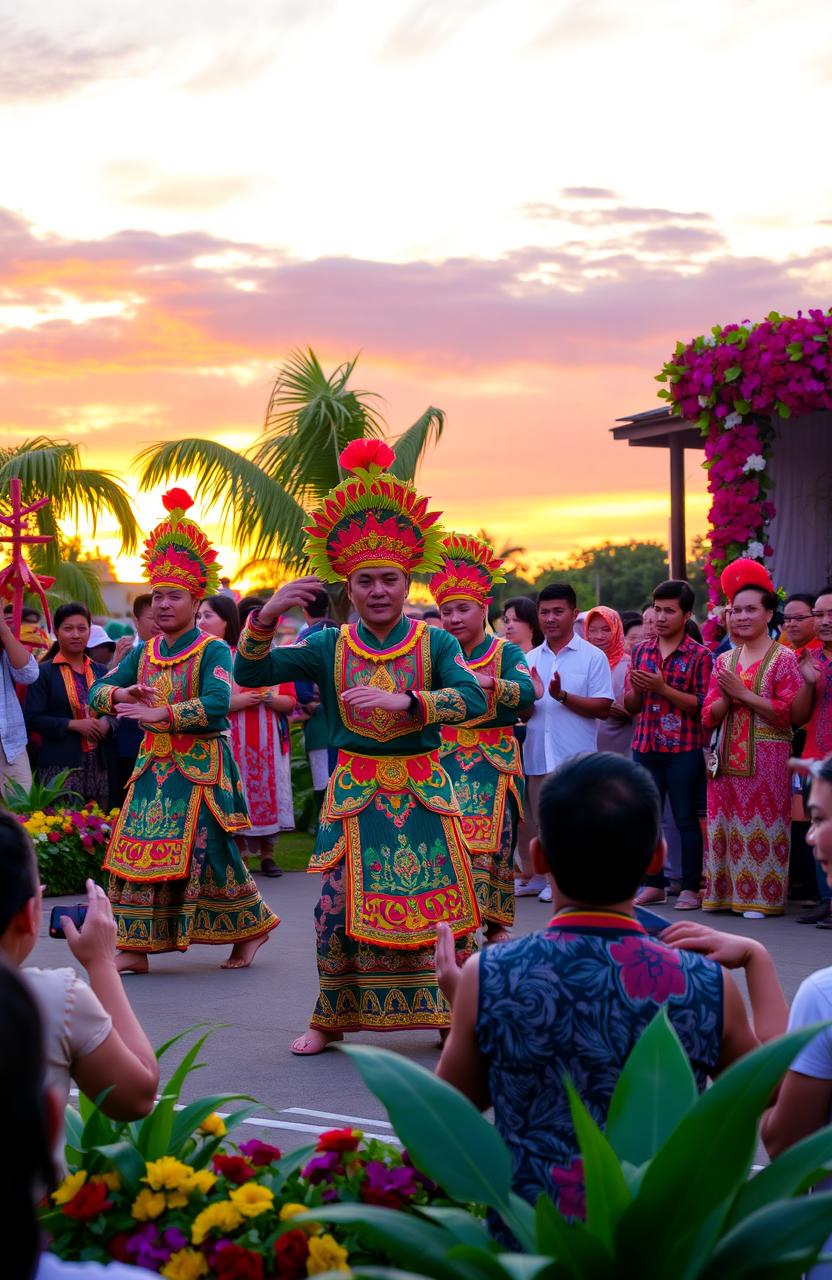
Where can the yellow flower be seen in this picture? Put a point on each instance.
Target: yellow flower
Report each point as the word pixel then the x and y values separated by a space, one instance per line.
pixel 177 1199
pixel 168 1174
pixel 290 1210
pixel 203 1181
pixel 70 1187
pixel 251 1199
pixel 213 1124
pixel 325 1254
pixel 186 1264
pixel 111 1180
pixel 222 1216
pixel 148 1205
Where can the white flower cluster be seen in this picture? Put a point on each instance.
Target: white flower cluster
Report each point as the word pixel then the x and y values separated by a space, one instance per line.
pixel 733 420
pixel 755 550
pixel 754 462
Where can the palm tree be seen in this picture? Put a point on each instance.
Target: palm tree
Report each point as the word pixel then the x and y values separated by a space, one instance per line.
pixel 264 492
pixel 52 469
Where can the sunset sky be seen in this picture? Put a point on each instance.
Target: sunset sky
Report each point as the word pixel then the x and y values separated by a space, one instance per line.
pixel 511 208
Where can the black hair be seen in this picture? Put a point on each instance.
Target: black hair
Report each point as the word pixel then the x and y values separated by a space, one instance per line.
pixel 247 606
pixel 676 589
pixel 558 591
pixel 631 619
pixel 29 615
pixel 805 597
pixel 768 598
pixel 526 610
pixel 25 1178
pixel 70 610
pixel 823 768
pixel 600 820
pixel 18 869
pixel 142 602
pixel 692 630
pixel 431 613
pixel 230 614
pixel 318 606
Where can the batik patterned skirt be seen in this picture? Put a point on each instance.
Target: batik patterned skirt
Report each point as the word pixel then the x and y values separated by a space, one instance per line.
pixel 216 902
pixel 749 823
pixel 365 987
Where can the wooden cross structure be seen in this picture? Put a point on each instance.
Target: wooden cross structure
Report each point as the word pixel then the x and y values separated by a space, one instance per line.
pixel 17 578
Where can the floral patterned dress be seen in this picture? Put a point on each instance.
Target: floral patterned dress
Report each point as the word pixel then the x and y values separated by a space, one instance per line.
pixel 260 747
pixel 749 801
pixel 572 1001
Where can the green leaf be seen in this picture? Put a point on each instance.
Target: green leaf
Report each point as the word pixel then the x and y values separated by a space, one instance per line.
pixel 607 1193
pixel 571 1244
pixel 654 1092
pixel 463 1226
pixel 733 373
pixel 287 1165
pixel 444 1133
pixel 793 1172
pixel 718 1134
pixel 741 406
pixel 787 1235
pixel 410 447
pixel 127 1160
pixel 191 1117
pixel 408 1239
pixel 783 409
pixel 162 1050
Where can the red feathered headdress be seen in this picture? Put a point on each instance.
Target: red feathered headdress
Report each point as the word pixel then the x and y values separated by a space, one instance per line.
pixel 178 554
pixel 372 520
pixel 469 570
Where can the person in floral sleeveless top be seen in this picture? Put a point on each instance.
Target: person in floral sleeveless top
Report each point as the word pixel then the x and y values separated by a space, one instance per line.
pixel 574 998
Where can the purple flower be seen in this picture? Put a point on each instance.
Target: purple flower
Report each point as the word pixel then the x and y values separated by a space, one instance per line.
pixel 399 1179
pixel 322 1168
pixel 153 1250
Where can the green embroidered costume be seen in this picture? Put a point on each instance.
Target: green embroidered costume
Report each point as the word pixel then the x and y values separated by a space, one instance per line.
pixel 482 758
pixel 176 876
pixel 389 843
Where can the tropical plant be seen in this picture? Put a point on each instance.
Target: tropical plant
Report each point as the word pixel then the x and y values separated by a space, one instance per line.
pixel 168 1195
pixel 668 1190
pixel 39 796
pixel 263 492
pixel 53 469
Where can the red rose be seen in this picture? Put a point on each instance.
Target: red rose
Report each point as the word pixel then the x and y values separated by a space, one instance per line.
pixel 88 1202
pixel 177 500
pixel 260 1153
pixel 340 1140
pixel 362 454
pixel 54 836
pixel 290 1253
pixel 234 1168
pixel 233 1262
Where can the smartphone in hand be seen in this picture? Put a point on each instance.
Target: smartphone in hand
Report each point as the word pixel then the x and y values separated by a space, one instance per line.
pixel 77 913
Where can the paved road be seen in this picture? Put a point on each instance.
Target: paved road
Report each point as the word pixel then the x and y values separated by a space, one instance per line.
pixel 257 1012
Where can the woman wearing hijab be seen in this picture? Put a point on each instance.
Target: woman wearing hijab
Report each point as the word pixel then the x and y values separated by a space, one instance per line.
pixel 603 628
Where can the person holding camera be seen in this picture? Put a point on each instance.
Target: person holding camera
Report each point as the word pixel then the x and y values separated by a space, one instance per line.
pixel 17 666
pixel 92 1035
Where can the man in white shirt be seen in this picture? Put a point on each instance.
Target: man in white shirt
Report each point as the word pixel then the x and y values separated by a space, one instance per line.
pixel 576 691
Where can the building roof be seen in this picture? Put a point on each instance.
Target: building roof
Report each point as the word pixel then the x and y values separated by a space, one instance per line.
pixel 654 428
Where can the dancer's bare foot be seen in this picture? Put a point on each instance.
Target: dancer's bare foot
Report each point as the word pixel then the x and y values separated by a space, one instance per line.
pixel 314 1041
pixel 242 953
pixel 495 934
pixel 132 962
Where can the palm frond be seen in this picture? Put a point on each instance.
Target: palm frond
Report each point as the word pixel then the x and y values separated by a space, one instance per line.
pixel 76 580
pixel 259 512
pixel 410 447
pixel 310 418
pixel 94 492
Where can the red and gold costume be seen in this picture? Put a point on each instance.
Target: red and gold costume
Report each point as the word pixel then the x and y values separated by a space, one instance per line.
pixel 482 755
pixel 176 876
pixel 389 844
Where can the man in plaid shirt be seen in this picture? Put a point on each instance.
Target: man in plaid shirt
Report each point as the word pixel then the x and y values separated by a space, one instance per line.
pixel 664 691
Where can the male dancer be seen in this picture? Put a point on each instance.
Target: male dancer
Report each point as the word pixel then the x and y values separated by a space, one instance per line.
pixel 483 755
pixel 389 842
pixel 176 876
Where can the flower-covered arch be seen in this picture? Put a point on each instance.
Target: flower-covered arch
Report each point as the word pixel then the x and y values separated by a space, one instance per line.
pixel 731 383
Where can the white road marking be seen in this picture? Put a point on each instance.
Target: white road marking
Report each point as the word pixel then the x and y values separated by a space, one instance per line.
pixel 263 1122
pixel 336 1115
